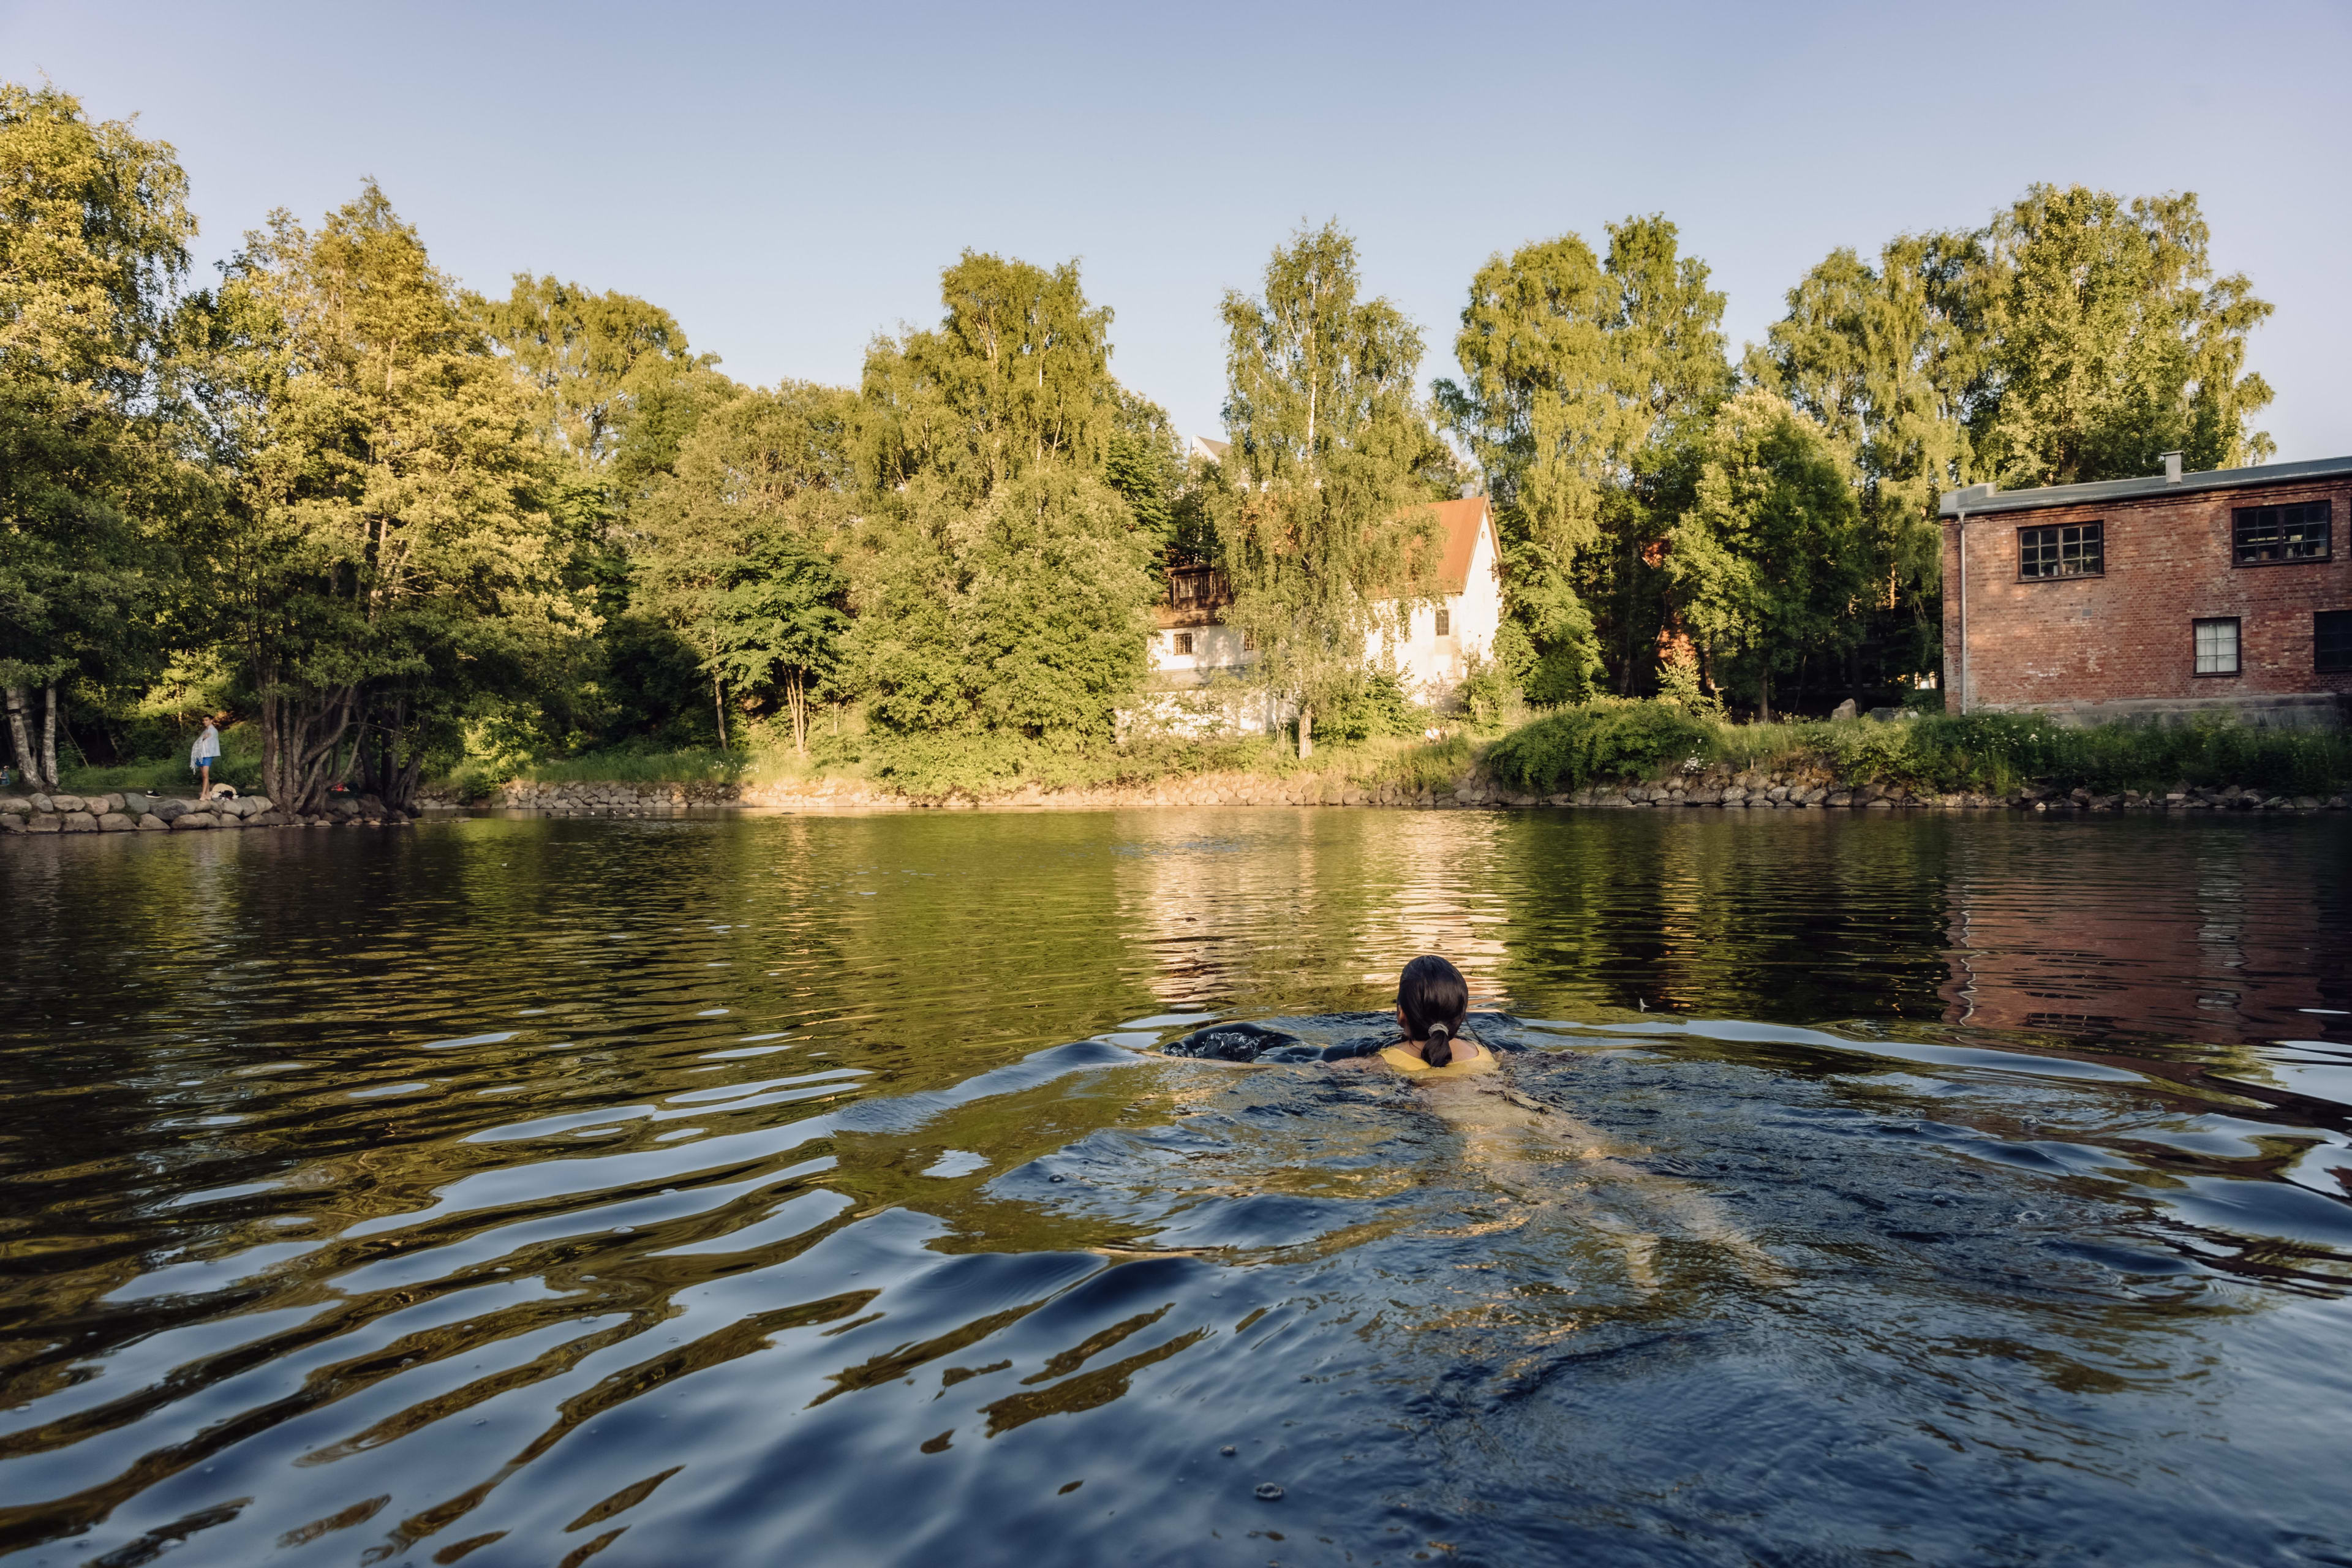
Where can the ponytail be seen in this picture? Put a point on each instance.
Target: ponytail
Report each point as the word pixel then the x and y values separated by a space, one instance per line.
pixel 1434 999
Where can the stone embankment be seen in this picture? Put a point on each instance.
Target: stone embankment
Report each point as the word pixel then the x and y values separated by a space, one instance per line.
pixel 597 798
pixel 1796 789
pixel 134 812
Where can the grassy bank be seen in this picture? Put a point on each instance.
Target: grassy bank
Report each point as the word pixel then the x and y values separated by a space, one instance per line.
pixel 1980 754
pixel 1602 742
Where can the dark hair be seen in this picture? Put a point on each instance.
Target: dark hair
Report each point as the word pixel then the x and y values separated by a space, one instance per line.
pixel 1433 997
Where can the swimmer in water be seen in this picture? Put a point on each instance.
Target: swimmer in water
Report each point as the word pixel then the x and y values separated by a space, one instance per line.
pixel 1517 1142
pixel 1432 999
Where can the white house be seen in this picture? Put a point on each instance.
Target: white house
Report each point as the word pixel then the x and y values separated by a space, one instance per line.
pixel 1193 645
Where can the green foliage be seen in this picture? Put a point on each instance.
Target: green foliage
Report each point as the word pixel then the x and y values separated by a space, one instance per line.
pixel 390 559
pixel 1002 577
pixel 590 357
pixel 1997 753
pixel 1316 515
pixel 734 547
pixel 1764 564
pixel 399 525
pixel 2111 341
pixel 1016 376
pixel 1606 740
pixel 1023 615
pixel 1574 371
pixel 94 229
pixel 1431 765
pixel 1376 704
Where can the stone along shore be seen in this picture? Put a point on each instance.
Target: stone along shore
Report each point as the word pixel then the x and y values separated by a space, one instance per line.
pixel 134 812
pixel 1720 788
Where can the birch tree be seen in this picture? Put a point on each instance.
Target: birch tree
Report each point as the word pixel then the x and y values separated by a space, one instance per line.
pixel 1318 526
pixel 1578 371
pixel 1001 580
pixel 94 228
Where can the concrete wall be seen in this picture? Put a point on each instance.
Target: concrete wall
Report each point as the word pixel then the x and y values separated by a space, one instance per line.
pixel 2078 644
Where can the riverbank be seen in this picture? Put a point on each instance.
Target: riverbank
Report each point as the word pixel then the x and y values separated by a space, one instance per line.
pixel 1720 788
pixel 133 811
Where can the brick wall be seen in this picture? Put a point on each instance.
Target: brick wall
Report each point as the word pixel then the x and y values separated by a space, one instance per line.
pixel 2127 633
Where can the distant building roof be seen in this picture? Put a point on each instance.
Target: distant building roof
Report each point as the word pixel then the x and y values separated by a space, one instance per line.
pixel 1214 450
pixel 1197 596
pixel 1460 518
pixel 1978 500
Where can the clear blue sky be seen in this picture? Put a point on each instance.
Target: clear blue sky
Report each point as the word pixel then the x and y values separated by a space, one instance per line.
pixel 788 181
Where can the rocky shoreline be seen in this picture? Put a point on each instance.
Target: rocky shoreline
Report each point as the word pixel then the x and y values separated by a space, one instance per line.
pixel 133 811
pixel 1719 787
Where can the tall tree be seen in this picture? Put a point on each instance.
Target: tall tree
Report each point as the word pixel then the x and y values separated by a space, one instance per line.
pixel 94 229
pixel 1577 372
pixel 1890 360
pixel 736 544
pixel 1001 579
pixel 1317 522
pixel 2112 342
pixel 1016 376
pixel 391 559
pixel 591 357
pixel 1763 563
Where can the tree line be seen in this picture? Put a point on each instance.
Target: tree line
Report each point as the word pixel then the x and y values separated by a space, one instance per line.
pixel 394 522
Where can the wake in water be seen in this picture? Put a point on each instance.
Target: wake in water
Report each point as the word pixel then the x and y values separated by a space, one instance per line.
pixel 1664 1295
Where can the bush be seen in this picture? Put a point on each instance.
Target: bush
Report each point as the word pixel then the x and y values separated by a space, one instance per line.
pixel 1609 738
pixel 1377 706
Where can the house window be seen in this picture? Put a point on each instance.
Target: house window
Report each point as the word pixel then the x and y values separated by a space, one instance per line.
pixel 2267 534
pixel 1444 622
pixel 2070 550
pixel 2331 642
pixel 1183 642
pixel 1249 642
pixel 2217 646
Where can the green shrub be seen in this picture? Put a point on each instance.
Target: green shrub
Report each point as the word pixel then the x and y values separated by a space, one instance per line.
pixel 1376 707
pixel 1607 739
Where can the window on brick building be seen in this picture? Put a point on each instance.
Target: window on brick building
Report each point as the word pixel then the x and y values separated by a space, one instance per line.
pixel 2069 550
pixel 2264 535
pixel 2331 642
pixel 1444 622
pixel 1183 642
pixel 2217 646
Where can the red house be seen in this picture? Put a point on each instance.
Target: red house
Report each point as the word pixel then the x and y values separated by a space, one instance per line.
pixel 2157 597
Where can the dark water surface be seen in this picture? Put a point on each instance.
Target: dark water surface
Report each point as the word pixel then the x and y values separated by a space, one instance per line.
pixel 1912 1189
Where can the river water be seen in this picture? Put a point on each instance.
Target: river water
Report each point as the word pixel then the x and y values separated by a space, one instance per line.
pixel 1883 1187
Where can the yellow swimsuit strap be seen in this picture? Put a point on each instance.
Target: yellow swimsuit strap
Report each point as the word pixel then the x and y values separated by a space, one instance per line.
pixel 1405 1062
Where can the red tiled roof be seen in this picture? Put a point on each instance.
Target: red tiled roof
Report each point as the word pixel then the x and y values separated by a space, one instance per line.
pixel 1460 520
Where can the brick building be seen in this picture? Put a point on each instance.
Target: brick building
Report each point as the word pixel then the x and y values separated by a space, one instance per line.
pixel 2156 597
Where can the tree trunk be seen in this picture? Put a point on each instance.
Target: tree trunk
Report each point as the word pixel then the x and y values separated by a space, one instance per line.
pixel 797 699
pixel 1305 732
pixel 301 740
pixel 719 706
pixel 21 737
pixel 49 738
pixel 1764 693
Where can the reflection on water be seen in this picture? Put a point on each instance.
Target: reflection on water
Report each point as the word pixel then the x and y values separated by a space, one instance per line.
pixel 730 1192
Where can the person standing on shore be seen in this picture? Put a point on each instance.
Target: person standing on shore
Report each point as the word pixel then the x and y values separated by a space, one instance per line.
pixel 204 754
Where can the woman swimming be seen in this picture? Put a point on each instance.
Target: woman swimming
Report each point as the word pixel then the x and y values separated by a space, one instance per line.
pixel 1432 999
pixel 1537 1153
